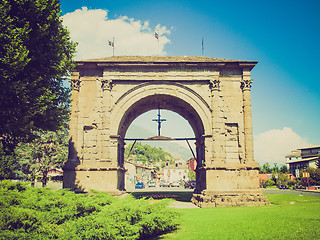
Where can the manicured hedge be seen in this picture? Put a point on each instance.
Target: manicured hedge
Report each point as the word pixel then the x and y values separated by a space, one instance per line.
pixel 42 213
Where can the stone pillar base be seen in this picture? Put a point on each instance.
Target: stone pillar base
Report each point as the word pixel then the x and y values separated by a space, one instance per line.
pixel 229 199
pixel 84 180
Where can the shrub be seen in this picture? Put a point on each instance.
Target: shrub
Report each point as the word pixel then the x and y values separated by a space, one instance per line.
pixel 270 183
pixel 38 213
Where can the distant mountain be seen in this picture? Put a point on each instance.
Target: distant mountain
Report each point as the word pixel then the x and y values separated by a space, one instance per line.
pixel 176 150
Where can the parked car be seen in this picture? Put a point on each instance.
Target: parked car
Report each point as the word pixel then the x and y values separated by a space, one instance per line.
pixel 152 184
pixel 283 187
pixel 161 183
pixel 139 185
pixel 190 184
pixel 165 184
pixel 298 187
pixel 175 184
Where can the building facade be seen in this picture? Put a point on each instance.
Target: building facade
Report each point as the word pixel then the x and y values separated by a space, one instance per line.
pixel 302 159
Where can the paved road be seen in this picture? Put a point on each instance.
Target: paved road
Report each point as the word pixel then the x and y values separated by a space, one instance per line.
pixel 288 191
pixel 162 189
pixel 182 189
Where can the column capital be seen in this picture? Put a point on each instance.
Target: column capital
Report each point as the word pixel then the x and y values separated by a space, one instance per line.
pixel 246 84
pixel 106 84
pixel 214 84
pixel 75 81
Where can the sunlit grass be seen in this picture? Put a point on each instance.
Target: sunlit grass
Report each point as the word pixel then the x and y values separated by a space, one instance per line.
pixel 288 217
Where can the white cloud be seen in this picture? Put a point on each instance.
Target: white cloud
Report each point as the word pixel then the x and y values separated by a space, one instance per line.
pixel 272 146
pixel 92 30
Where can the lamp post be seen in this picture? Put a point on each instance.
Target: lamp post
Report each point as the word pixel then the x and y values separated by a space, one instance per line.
pixel 276 175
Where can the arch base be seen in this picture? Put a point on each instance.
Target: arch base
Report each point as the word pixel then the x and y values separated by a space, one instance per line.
pixel 230 199
pixel 84 180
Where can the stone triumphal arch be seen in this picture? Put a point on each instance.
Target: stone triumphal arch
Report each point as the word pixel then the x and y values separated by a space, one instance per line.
pixel 213 95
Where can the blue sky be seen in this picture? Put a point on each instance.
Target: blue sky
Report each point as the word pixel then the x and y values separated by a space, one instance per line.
pixel 282 35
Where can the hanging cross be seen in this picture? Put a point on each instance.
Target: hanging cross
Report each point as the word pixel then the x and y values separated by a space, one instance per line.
pixel 159 120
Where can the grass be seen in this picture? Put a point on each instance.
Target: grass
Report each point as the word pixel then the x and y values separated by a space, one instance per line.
pixel 288 217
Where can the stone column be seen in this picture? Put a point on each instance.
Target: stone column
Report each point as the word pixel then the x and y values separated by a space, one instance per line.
pixel 69 173
pixel 218 156
pixel 247 119
pixel 74 110
pixel 106 86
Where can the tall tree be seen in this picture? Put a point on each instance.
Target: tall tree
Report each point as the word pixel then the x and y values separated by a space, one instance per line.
pixel 49 150
pixel 35 55
pixel 8 165
pixel 266 168
pixel 318 162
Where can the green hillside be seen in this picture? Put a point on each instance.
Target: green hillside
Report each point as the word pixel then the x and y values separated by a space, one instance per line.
pixel 176 150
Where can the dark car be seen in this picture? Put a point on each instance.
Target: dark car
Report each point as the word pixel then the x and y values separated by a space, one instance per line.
pixel 139 185
pixel 190 184
pixel 283 187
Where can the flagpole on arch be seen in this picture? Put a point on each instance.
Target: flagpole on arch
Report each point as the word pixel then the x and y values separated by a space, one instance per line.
pixel 202 48
pixel 111 44
pixel 156 35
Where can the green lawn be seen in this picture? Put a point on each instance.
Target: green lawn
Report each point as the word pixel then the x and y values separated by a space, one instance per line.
pixel 288 217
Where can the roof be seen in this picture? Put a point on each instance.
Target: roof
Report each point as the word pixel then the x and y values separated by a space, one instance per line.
pixel 303 160
pixel 164 59
pixel 139 165
pixel 313 147
pixel 296 153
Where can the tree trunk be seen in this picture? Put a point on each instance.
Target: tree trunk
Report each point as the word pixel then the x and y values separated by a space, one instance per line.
pixel 44 178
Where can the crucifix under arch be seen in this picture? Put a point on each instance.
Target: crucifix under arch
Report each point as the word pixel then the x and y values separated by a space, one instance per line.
pixel 159 120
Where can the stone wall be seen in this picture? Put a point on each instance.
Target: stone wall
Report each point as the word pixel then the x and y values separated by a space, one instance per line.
pixel 230 199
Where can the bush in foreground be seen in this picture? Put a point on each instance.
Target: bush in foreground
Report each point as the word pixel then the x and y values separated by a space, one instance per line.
pixel 41 213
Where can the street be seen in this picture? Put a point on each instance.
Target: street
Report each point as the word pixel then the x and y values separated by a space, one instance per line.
pixel 289 191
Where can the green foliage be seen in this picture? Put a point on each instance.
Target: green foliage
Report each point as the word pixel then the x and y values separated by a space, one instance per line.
pixel 318 162
pixel 41 213
pixel 49 150
pixel 147 154
pixel 35 55
pixel 314 175
pixel 8 164
pixel 284 169
pixel 266 168
pixel 269 183
pixel 191 175
pixel 282 179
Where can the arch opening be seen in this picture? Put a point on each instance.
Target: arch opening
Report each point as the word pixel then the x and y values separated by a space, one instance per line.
pixel 174 104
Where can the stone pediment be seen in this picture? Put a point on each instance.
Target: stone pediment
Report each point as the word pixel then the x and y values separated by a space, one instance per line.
pixel 161 59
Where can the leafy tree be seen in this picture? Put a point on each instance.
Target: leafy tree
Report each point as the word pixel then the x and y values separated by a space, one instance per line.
pixel 7 164
pixel 314 175
pixel 282 179
pixel 191 175
pixel 269 183
pixel 306 181
pixel 49 150
pixel 35 54
pixel 284 169
pixel 266 168
pixel 318 162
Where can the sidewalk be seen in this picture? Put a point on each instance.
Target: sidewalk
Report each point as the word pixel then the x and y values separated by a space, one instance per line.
pixel 182 205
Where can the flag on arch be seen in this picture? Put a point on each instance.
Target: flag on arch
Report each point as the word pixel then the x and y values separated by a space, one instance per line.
pixel 156 35
pixel 111 44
